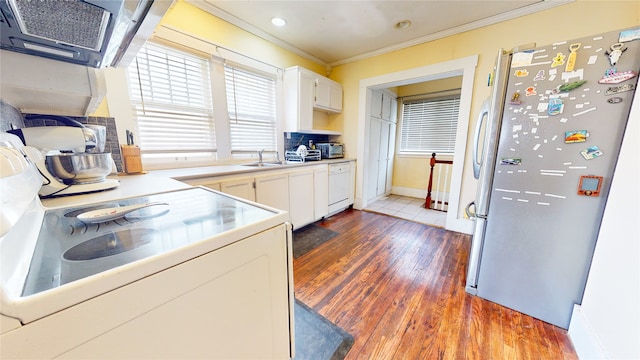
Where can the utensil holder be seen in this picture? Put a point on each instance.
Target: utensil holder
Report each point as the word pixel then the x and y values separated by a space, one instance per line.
pixel 132 159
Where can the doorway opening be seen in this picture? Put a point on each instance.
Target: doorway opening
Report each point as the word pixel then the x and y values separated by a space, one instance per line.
pixel 464 68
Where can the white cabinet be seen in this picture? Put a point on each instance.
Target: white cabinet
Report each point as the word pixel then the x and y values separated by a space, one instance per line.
pixel 211 307
pixel 306 91
pixel 301 200
pixel 302 191
pixel 240 187
pixel 381 150
pixel 383 105
pixel 328 95
pixel 299 89
pixel 273 190
pixel 321 191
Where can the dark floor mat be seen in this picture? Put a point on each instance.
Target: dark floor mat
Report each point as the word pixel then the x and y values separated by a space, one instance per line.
pixel 309 237
pixel 317 338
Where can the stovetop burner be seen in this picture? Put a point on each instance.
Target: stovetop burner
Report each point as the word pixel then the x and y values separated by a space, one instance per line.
pixel 110 244
pixel 68 249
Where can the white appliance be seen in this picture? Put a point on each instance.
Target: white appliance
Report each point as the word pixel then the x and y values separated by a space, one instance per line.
pixel 204 276
pixel 46 142
pixel 553 130
pixel 339 186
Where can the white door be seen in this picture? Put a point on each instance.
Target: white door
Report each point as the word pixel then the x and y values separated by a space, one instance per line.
pixel 383 150
pixel 374 151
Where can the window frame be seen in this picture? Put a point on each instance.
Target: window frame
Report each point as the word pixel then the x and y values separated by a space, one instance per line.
pixel 221 117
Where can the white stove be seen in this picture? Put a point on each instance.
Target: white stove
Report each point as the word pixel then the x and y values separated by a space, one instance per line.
pixel 53 265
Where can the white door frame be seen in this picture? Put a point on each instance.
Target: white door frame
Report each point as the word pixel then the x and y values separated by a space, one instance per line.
pixel 464 67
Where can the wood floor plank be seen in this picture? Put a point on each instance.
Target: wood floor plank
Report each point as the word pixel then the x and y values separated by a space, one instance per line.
pixel 398 288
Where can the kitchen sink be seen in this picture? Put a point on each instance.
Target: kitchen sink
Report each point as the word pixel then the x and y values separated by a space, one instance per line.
pixel 263 164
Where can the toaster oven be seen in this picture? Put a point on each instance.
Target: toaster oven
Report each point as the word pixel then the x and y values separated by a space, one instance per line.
pixel 331 150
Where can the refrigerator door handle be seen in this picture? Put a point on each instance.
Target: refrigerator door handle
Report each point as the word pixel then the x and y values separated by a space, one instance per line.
pixel 467 210
pixel 484 113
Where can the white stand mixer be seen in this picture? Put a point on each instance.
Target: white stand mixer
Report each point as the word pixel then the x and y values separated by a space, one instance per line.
pixel 60 154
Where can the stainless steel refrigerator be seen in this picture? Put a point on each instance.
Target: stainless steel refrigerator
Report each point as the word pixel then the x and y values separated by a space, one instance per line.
pixel 546 146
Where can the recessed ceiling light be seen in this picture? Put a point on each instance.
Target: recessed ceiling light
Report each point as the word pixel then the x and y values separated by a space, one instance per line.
pixel 278 21
pixel 403 24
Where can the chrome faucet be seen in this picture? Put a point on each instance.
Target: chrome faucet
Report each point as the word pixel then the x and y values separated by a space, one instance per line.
pixel 260 156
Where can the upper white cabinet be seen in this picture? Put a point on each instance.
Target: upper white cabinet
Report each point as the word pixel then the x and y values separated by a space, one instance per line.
pixel 383 105
pixel 306 91
pixel 328 95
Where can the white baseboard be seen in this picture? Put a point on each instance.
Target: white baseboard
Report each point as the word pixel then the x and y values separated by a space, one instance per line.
pixel 583 337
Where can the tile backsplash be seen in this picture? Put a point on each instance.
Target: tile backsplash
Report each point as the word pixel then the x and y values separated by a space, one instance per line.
pixel 297 139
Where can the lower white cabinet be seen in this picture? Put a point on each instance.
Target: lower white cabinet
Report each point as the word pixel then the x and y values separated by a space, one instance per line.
pixel 301 191
pixel 301 199
pixel 240 187
pixel 320 192
pixel 233 302
pixel 273 190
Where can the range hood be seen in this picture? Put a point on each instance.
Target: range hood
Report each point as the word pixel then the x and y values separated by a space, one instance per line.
pixel 37 85
pixel 94 33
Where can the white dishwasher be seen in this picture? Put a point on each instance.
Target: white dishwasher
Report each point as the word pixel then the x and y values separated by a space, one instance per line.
pixel 339 183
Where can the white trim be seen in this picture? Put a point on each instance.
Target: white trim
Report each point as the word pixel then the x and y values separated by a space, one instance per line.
pixel 527 10
pixel 465 67
pixel 584 339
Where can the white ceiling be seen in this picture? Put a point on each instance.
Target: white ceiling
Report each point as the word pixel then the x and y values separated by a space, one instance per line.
pixel 333 32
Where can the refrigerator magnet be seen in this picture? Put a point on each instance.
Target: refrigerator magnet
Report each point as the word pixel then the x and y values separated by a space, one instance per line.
pixel 591 152
pixel 571 62
pixel 530 91
pixel 558 60
pixel 540 75
pixel 614 100
pixel 629 35
pixel 555 106
pixel 612 76
pixel 510 161
pixel 515 99
pixel 590 185
pixel 615 53
pixel 618 89
pixel 575 136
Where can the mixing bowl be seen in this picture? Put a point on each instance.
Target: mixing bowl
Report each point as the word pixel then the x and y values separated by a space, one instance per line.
pixel 80 168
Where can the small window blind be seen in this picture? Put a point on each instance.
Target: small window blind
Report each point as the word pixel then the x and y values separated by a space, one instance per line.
pixel 251 103
pixel 429 125
pixel 171 95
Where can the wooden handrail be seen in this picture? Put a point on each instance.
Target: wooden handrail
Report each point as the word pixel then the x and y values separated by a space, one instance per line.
pixel 432 163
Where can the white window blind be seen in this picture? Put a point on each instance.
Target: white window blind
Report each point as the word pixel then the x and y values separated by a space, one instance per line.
pixel 429 125
pixel 171 95
pixel 251 103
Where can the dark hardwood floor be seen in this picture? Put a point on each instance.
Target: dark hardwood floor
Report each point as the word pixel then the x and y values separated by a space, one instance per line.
pixel 398 288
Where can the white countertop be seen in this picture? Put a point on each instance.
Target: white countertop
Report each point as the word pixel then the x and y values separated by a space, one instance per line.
pixel 166 180
pixel 130 186
pixel 221 170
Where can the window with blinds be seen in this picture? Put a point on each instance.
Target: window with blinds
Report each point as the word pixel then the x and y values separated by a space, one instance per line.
pixel 171 95
pixel 429 125
pixel 251 104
